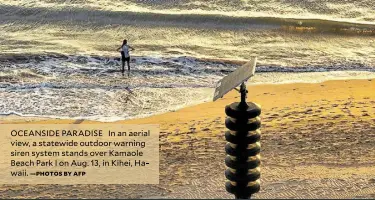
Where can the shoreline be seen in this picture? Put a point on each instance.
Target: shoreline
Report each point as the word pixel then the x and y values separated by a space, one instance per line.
pixel 17 117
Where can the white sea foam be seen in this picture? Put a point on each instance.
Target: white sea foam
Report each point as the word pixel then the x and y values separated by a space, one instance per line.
pixel 91 87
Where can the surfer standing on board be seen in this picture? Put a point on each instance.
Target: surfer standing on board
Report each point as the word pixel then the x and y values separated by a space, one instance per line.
pixel 125 56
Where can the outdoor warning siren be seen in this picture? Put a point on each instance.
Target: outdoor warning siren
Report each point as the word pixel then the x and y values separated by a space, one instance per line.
pixel 243 136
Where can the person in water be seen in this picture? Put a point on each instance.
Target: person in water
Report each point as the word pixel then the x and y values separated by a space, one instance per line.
pixel 125 56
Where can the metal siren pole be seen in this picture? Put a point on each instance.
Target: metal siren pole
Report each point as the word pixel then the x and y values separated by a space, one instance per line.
pixel 243 136
pixel 243 147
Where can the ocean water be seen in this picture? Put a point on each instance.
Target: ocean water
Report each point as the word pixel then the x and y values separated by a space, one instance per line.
pixel 58 58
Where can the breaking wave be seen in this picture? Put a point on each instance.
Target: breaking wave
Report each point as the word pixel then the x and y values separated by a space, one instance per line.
pixel 93 18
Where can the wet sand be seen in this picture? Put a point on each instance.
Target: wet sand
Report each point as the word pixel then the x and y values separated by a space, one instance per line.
pixel 317 142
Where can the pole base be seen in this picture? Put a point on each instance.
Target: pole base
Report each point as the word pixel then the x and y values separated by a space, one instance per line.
pixel 243 192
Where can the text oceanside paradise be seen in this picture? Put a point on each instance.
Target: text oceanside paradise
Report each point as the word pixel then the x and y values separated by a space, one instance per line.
pixel 56 133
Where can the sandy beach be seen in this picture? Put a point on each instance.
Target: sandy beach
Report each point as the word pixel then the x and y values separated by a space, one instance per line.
pixel 317 142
